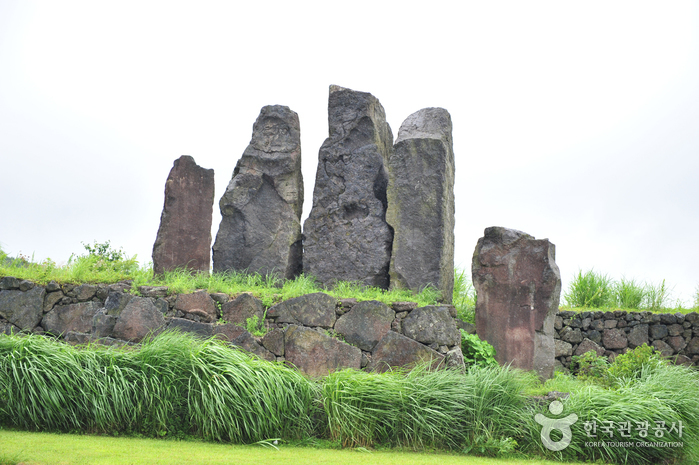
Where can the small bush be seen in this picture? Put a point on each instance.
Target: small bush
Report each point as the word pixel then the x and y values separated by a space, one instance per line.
pixel 629 294
pixel 630 365
pixel 477 351
pixel 591 367
pixel 590 289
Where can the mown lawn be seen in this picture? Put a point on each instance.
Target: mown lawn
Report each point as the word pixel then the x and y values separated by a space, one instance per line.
pixel 70 449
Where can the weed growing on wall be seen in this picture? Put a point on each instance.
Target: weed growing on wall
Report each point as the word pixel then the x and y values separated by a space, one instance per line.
pixel 477 351
pixel 464 297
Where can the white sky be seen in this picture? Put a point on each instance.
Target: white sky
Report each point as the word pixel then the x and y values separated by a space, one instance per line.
pixel 573 121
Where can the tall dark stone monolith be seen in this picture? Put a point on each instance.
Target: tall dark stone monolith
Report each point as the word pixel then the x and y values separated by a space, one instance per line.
pixel 260 229
pixel 346 236
pixel 518 287
pixel 421 203
pixel 184 236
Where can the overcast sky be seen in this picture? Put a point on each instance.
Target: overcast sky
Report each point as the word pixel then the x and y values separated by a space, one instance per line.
pixel 573 121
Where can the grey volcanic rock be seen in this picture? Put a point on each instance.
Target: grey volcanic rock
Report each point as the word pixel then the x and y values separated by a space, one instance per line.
pixel 346 236
pixel 241 308
pixel 365 324
pixel 139 318
pixel 614 339
pixel 199 300
pixel 317 354
pixel 74 317
pixel 184 235
pixel 563 349
pixel 587 345
pixel 274 342
pixel 309 310
pixel 203 330
pixel 638 336
pixel 421 203
pixel 240 337
pixel 431 324
pixel 260 229
pixel 518 288
pixel 22 309
pixel 396 350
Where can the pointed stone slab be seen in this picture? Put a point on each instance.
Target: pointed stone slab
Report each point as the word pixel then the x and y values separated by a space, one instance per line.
pixel 184 236
pixel 421 203
pixel 518 288
pixel 260 230
pixel 346 236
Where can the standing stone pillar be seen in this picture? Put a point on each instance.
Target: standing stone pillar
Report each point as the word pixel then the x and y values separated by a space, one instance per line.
pixel 518 288
pixel 184 236
pixel 346 236
pixel 260 230
pixel 421 203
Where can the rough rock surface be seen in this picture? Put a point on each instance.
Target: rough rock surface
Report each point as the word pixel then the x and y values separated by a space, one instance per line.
pixel 22 309
pixel 317 354
pixel 199 300
pixel 346 236
pixel 365 324
pixel 240 337
pixel 431 324
pixel 421 203
pixel 396 350
pixel 274 342
pixel 614 338
pixel 202 330
pixel 260 229
pixel 241 308
pixel 562 348
pixel 139 318
pixel 518 287
pixel 309 310
pixel 638 336
pixel 74 317
pixel 587 345
pixel 184 236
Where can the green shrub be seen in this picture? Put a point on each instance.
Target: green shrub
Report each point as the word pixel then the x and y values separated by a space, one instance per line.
pixel 591 367
pixel 590 289
pixel 477 351
pixel 629 366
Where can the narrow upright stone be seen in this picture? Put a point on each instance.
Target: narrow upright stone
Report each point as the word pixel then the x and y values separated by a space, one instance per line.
pixel 421 203
pixel 346 236
pixel 260 229
pixel 518 288
pixel 184 236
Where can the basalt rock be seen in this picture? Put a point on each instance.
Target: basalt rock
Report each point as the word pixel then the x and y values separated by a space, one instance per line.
pixel 22 309
pixel 365 324
pixel 346 236
pixel 431 324
pixel 421 203
pixel 260 230
pixel 241 308
pixel 184 236
pixel 395 350
pixel 138 319
pixel 316 309
pixel 518 287
pixel 74 317
pixel 318 354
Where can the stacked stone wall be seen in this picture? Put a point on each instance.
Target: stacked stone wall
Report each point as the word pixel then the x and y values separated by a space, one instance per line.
pixel 609 334
pixel 316 333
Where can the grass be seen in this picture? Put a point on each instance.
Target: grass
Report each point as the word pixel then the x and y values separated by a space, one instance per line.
pixel 593 290
pixel 71 449
pixel 103 264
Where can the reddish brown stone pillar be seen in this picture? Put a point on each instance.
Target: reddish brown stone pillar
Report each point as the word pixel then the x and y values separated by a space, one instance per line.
pixel 184 236
pixel 518 285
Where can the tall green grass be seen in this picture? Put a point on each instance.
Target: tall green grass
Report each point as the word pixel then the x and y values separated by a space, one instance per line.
pixel 174 384
pixel 596 290
pixel 464 298
pixel 478 410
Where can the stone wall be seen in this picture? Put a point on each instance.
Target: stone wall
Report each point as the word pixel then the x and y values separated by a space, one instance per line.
pixel 612 333
pixel 316 333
